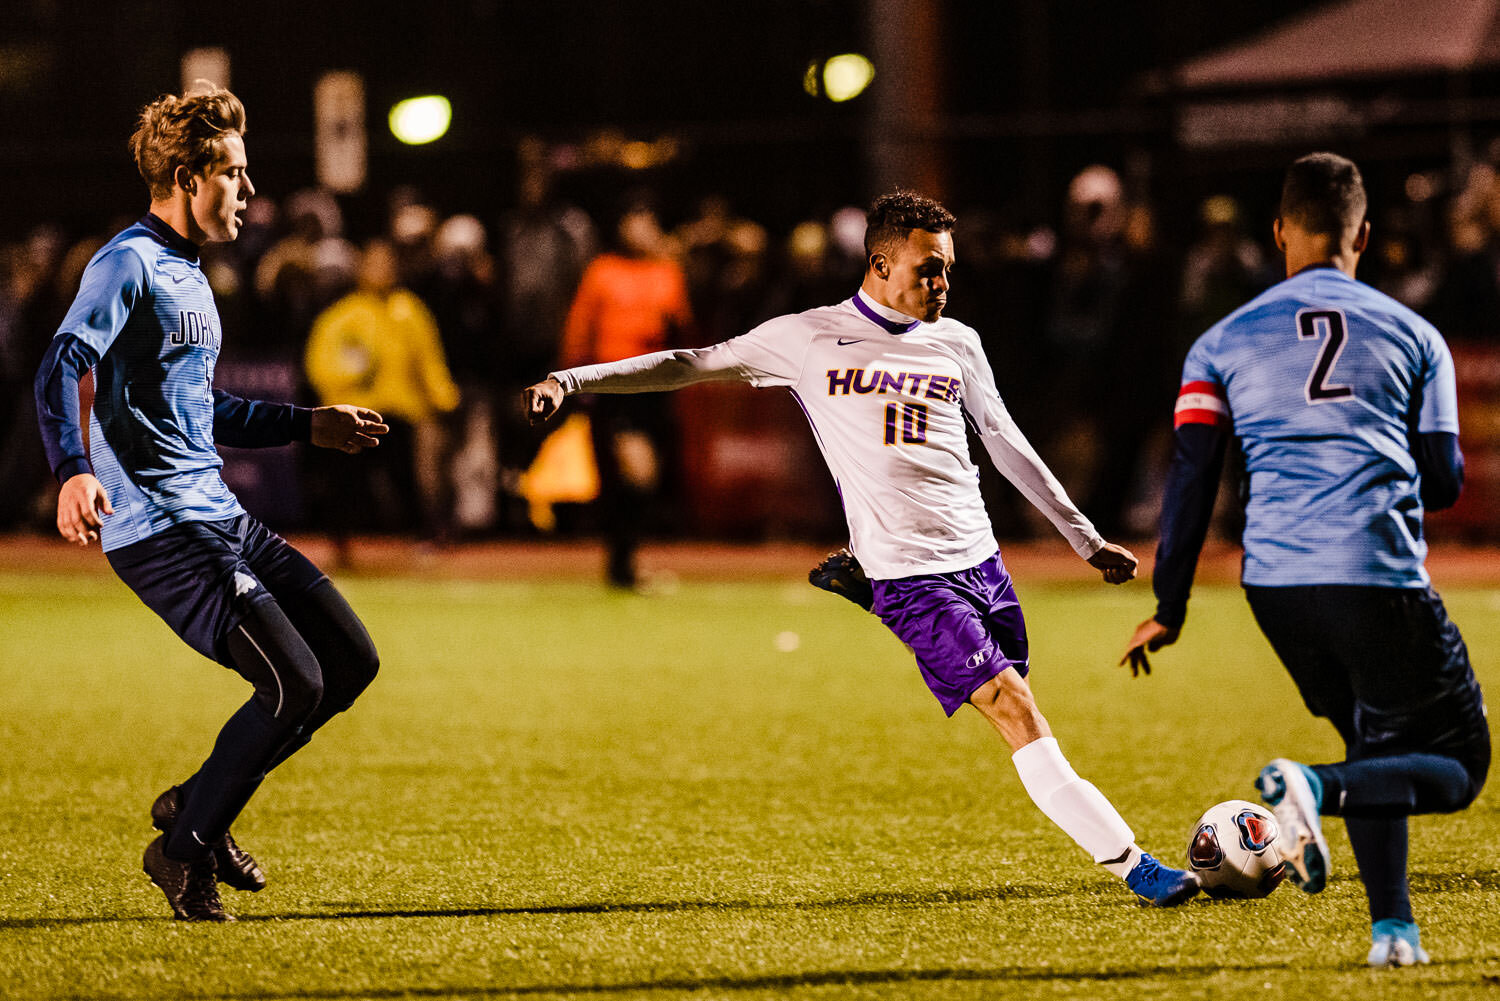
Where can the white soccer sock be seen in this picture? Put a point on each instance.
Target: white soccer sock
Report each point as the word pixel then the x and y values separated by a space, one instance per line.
pixel 1076 806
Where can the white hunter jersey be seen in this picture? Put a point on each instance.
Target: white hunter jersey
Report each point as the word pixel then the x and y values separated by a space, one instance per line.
pixel 888 398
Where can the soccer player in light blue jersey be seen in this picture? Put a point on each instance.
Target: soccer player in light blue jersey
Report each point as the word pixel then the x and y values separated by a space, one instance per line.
pixel 140 473
pixel 1344 405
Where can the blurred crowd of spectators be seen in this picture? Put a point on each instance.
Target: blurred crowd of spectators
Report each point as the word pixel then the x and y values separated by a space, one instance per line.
pixel 439 322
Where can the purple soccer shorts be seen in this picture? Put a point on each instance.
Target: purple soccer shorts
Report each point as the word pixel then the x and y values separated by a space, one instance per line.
pixel 965 627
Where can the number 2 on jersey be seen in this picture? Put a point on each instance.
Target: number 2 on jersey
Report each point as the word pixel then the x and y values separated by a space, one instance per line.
pixel 1327 325
pixel 912 418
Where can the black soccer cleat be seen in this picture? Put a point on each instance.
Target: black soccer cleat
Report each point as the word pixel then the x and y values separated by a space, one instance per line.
pixel 841 573
pixel 235 867
pixel 191 888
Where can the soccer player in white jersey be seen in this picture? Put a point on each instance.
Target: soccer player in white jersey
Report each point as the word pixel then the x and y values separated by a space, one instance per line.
pixel 890 386
pixel 1343 401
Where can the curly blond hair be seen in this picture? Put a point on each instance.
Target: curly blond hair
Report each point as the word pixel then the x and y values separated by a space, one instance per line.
pixel 186 131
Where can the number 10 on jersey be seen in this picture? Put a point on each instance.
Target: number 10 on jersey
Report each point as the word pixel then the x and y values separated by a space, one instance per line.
pixel 912 419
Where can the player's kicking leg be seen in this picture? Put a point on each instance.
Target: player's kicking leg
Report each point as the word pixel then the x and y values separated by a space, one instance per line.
pixel 1070 802
pixel 969 637
pixel 1417 738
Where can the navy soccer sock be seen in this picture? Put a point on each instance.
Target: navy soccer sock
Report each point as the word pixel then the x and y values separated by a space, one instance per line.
pixel 1380 846
pixel 1395 786
pixel 269 652
pixel 219 790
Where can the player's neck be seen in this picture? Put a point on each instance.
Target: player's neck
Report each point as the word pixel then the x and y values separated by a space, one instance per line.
pixel 1344 260
pixel 871 291
pixel 1305 251
pixel 177 213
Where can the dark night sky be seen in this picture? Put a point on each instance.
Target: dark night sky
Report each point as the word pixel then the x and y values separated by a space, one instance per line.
pixel 728 74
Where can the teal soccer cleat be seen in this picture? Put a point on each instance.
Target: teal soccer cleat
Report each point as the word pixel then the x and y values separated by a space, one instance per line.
pixel 1294 794
pixel 1396 943
pixel 1160 886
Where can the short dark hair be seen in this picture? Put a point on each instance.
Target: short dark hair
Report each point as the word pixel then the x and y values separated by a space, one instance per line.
pixel 892 218
pixel 1323 193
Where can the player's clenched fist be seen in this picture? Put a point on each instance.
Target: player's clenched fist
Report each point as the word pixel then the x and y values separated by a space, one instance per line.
pixel 543 399
pixel 1116 563
pixel 79 506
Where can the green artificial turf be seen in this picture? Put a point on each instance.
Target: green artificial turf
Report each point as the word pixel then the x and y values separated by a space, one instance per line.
pixel 739 790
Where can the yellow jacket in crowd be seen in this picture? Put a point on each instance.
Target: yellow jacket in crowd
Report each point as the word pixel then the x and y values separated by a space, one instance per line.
pixel 381 351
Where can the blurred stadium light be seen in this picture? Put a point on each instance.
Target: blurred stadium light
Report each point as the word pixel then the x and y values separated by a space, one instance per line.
pixel 339 126
pixel 210 63
pixel 419 120
pixel 846 76
pixel 840 78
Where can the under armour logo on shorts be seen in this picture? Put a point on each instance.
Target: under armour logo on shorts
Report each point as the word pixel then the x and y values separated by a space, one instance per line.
pixel 244 583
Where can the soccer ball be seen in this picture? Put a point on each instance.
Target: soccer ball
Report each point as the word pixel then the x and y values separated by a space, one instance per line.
pixel 1235 851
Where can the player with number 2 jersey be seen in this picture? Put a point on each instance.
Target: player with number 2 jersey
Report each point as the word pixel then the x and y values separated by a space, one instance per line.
pixel 1327 381
pixel 1344 405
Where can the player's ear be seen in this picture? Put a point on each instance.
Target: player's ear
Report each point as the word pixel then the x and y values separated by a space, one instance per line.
pixel 880 265
pixel 1277 234
pixel 1362 237
pixel 183 178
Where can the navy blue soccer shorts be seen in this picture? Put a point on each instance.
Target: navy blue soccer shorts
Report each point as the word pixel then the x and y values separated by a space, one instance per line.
pixel 202 577
pixel 1385 665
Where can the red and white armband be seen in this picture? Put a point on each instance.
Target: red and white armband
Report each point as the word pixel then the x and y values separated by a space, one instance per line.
pixel 1201 402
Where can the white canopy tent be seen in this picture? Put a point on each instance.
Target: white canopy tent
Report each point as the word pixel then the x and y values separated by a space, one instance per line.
pixel 1291 84
pixel 1353 40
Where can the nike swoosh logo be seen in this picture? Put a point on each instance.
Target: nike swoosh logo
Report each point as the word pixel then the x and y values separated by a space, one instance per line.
pixel 178 279
pixel 851 340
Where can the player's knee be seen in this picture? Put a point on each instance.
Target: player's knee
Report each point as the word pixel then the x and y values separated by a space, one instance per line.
pixel 366 663
pixel 358 664
pixel 1006 703
pixel 301 693
pixel 1477 769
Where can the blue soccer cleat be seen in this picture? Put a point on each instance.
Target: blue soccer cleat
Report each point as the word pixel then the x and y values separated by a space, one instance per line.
pixel 1396 943
pixel 1157 885
pixel 1294 793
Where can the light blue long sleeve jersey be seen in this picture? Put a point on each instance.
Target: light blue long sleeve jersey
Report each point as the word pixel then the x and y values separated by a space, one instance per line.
pixel 1327 383
pixel 144 320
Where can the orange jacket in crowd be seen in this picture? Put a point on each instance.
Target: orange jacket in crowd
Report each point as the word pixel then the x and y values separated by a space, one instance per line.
pixel 625 306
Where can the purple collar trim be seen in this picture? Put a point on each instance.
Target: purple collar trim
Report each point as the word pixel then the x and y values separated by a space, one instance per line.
pixel 891 326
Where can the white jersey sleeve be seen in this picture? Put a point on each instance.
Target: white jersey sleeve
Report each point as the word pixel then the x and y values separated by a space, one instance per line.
pixel 770 355
pixel 656 372
pixel 1017 461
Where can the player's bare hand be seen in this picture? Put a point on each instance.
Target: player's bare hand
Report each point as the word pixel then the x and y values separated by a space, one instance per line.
pixel 542 399
pixel 1116 563
pixel 81 505
pixel 1149 636
pixel 347 428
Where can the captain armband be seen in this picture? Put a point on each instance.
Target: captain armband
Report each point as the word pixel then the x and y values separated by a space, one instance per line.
pixel 1201 402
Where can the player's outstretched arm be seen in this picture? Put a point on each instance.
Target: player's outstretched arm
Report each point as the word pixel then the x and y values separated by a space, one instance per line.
pixel 80 505
pixel 542 399
pixel 1116 563
pixel 347 428
pixel 657 372
pixel 1149 636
